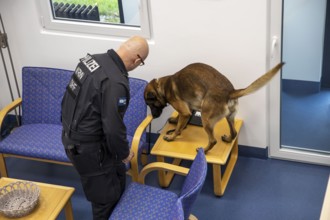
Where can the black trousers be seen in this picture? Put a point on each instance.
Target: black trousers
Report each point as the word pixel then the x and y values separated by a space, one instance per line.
pixel 102 211
pixel 103 179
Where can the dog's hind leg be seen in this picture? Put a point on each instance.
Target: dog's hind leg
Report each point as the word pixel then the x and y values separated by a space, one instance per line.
pixel 210 116
pixel 232 104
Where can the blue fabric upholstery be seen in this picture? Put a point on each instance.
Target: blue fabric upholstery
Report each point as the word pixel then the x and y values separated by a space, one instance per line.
pixel 140 199
pixel 43 89
pixel 147 202
pixel 39 136
pixel 36 140
pixel 193 182
pixel 137 108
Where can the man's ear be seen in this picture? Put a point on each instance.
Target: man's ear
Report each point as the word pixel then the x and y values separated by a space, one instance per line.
pixel 137 62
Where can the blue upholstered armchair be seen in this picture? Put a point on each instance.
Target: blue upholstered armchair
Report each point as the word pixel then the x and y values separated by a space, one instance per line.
pixel 39 136
pixel 146 202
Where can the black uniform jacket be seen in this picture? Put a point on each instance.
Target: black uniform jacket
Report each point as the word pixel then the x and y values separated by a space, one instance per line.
pixel 95 103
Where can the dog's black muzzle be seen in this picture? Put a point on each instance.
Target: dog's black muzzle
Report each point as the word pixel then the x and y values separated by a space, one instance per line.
pixel 155 106
pixel 156 112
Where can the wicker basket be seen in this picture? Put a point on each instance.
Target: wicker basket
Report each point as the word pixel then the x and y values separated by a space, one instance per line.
pixel 19 198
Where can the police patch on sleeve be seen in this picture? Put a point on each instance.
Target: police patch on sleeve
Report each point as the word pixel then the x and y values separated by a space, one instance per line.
pixel 122 103
pixel 90 63
pixel 79 76
pixel 73 88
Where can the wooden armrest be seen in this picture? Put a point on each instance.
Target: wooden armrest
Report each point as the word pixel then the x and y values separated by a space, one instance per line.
pixel 162 166
pixel 135 145
pixel 8 109
pixel 174 114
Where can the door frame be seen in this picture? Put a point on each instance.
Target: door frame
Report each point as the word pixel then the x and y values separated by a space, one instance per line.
pixel 274 107
pixel 325 80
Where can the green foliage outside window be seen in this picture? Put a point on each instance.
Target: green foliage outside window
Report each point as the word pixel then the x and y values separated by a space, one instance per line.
pixel 108 9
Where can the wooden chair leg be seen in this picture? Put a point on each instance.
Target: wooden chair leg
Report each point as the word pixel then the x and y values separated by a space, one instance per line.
pixel 68 211
pixel 3 168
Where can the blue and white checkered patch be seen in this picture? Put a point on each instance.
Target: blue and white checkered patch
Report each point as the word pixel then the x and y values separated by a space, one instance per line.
pixel 122 101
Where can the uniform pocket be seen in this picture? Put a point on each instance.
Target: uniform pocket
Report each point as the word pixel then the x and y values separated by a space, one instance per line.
pixel 88 162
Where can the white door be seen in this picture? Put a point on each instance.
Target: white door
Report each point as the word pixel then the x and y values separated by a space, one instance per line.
pixel 279 46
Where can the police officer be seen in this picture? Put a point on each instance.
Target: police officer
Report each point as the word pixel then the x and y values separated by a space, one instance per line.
pixel 94 134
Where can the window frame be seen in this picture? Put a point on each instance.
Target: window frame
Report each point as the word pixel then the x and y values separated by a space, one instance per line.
pixel 87 27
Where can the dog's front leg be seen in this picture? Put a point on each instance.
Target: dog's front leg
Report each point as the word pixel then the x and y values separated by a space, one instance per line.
pixel 208 125
pixel 173 120
pixel 182 123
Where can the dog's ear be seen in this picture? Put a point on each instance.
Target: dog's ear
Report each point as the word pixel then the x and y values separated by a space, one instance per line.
pixel 154 84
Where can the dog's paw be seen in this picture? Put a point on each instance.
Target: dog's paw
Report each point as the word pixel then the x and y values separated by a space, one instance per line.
pixel 168 138
pixel 170 131
pixel 226 138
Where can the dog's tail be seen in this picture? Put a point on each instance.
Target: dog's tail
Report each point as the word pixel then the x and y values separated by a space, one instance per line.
pixel 260 82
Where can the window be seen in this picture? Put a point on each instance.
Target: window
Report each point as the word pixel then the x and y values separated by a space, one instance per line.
pixel 106 17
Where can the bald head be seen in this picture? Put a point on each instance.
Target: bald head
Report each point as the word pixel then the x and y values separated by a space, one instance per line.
pixel 132 51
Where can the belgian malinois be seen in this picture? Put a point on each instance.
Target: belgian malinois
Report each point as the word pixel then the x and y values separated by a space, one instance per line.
pixel 202 88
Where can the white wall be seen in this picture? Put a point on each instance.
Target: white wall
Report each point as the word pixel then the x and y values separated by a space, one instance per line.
pixel 230 35
pixel 303 39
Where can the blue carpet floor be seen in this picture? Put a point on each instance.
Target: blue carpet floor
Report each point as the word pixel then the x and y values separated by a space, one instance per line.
pixel 305 120
pixel 259 189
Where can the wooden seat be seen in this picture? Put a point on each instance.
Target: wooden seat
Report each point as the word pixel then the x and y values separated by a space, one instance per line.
pixel 185 145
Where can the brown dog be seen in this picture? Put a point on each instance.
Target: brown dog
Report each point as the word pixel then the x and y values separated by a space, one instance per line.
pixel 202 88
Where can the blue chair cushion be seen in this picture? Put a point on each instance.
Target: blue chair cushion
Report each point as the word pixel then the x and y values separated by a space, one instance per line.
pixel 39 141
pixel 36 140
pixel 145 202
